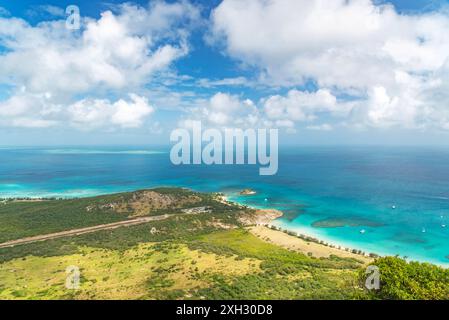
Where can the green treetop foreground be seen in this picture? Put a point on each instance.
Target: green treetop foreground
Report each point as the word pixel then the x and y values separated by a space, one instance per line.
pixel 402 280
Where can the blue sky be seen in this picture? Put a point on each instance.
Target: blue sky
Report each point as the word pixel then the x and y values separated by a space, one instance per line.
pixel 367 73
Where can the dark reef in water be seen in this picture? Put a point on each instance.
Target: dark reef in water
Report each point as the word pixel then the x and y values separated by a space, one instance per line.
pixel 345 222
pixel 408 238
pixel 292 212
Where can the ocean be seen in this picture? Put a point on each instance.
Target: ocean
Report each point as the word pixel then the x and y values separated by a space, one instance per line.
pixel 386 200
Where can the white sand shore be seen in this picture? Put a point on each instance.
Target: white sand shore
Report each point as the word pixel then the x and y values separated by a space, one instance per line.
pixel 314 249
pixel 260 225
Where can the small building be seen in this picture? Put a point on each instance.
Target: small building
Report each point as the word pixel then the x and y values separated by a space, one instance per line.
pixel 197 210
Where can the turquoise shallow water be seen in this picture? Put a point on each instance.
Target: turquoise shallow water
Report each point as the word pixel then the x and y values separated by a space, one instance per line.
pixel 399 197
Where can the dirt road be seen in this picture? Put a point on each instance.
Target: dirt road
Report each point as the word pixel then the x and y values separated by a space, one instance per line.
pixel 76 232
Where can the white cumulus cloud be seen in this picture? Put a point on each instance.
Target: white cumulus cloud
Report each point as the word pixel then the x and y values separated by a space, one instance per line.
pixel 90 114
pixel 224 110
pixel 394 66
pixel 120 52
pixel 300 105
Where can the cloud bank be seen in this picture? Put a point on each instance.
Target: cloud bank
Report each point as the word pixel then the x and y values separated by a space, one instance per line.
pixel 316 65
pixel 394 66
pixel 50 67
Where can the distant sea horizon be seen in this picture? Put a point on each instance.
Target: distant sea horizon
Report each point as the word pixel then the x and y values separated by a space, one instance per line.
pixel 388 200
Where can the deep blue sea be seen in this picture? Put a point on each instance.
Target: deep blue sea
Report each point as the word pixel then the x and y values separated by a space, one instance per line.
pixel 388 200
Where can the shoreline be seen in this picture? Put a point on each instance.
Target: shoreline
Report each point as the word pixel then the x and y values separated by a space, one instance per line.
pixel 331 243
pixel 332 247
pixel 298 241
pixel 284 239
pixel 336 244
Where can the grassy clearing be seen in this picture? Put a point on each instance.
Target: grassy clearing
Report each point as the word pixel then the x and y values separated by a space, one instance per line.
pixel 147 271
pixel 176 269
pixel 284 274
pixel 244 244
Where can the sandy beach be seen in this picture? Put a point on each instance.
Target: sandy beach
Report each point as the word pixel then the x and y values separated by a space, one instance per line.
pixel 297 244
pixel 259 226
